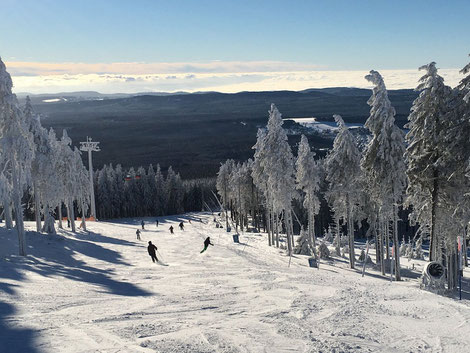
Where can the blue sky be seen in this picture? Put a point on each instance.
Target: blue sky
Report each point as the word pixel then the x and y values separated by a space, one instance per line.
pixel 314 35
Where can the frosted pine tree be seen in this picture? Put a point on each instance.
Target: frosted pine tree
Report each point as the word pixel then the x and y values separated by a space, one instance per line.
pixel 17 150
pixel 260 179
pixel 223 185
pixel 308 182
pixel 424 152
pixel 279 168
pixel 344 175
pixel 383 162
pixel 304 244
pixel 161 199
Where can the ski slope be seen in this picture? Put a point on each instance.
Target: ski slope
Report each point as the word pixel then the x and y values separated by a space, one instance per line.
pixel 100 292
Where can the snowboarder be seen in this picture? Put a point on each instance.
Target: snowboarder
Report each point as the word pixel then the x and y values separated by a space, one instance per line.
pixel 143 224
pixel 151 249
pixel 181 226
pixel 171 229
pixel 207 242
pixel 138 234
pixel 156 221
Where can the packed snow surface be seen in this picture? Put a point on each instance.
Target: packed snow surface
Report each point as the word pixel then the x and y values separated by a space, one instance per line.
pixel 100 292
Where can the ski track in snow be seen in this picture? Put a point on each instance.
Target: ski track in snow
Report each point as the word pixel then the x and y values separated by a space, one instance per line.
pixel 102 293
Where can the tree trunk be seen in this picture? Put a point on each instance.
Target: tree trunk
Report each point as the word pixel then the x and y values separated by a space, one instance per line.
pixel 7 213
pixel 338 245
pixel 380 246
pixel 434 242
pixel 71 215
pixel 60 215
pixel 277 229
pixel 83 225
pixel 396 244
pixel 311 227
pixel 352 256
pixel 37 211
pixel 268 217
pixel 465 257
pixel 386 228
pixel 288 233
pixel 16 176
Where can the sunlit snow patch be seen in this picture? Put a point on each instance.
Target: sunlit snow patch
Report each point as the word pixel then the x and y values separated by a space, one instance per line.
pixel 54 100
pixel 321 126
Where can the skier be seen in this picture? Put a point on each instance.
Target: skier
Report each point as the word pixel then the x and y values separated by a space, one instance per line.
pixel 138 234
pixel 156 221
pixel 181 226
pixel 189 221
pixel 143 224
pixel 151 249
pixel 207 242
pixel 171 229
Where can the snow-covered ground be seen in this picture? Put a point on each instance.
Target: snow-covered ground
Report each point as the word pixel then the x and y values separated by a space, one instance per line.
pixel 100 292
pixel 324 127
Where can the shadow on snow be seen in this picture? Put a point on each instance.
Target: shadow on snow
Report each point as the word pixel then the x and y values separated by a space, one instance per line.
pixel 53 256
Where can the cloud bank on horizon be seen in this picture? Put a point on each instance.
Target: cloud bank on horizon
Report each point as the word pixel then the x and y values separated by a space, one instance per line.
pixel 227 77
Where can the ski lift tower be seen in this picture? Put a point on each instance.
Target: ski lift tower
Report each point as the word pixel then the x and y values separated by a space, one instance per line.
pixel 90 147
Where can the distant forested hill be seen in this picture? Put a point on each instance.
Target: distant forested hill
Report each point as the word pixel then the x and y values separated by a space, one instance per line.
pixel 194 132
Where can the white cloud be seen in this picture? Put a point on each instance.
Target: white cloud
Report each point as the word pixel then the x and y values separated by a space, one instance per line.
pixel 214 76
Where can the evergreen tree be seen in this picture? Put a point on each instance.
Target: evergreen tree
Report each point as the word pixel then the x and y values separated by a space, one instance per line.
pixel 344 175
pixel 17 150
pixel 427 128
pixel 383 162
pixel 308 182
pixel 278 165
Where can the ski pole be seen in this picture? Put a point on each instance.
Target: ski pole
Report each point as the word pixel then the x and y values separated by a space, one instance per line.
pixel 161 257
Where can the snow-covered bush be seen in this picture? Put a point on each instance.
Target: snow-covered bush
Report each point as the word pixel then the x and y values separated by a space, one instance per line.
pixel 303 244
pixel 324 251
pixel 328 236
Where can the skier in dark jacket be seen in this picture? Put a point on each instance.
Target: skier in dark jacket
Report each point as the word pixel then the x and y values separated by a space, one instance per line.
pixel 151 249
pixel 207 242
pixel 143 224
pixel 156 221
pixel 138 234
pixel 171 229
pixel 181 226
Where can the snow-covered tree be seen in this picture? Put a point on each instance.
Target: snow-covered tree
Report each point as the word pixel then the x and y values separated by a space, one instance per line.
pixel 383 162
pixel 304 244
pixel 174 192
pixel 16 150
pixel 278 166
pixel 344 175
pixel 308 181
pixel 424 155
pixel 260 179
pixel 223 185
pixel 323 251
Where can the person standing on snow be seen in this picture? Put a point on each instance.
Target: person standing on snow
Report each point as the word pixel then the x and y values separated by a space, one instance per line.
pixel 156 221
pixel 207 242
pixel 143 224
pixel 151 249
pixel 138 234
pixel 171 229
pixel 181 226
